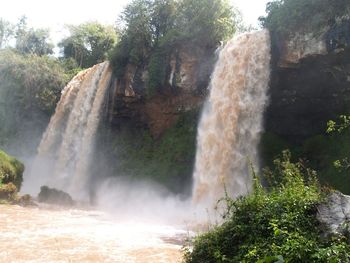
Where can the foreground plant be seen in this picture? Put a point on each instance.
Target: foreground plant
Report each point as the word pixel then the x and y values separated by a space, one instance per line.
pixel 273 224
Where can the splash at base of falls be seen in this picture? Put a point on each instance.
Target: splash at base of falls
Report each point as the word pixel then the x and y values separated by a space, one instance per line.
pixel 41 235
pixel 66 148
pixel 232 120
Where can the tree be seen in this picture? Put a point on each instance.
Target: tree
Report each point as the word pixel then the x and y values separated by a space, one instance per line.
pixel 7 31
pixel 162 26
pixel 32 41
pixel 88 43
pixel 30 87
pixel 35 41
pixel 206 22
pixel 286 16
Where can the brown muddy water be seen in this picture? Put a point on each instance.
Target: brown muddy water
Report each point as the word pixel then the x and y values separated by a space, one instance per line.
pixel 71 235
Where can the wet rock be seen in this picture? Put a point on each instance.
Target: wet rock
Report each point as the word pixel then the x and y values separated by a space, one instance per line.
pixel 184 87
pixel 26 200
pixel 300 46
pixel 334 214
pixel 304 98
pixel 54 196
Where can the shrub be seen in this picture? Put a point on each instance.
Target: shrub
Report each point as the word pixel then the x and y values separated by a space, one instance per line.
pixel 11 170
pixel 8 191
pixel 276 224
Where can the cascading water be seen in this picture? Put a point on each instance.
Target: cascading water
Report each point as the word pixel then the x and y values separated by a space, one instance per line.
pixel 232 119
pixel 66 147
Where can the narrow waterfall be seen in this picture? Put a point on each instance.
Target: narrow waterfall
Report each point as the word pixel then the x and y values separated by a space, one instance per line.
pixel 232 119
pixel 68 142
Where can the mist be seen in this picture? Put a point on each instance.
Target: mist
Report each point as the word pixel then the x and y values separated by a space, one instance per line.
pixel 136 200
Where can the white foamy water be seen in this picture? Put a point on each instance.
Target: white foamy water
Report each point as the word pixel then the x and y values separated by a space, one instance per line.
pixel 232 119
pixel 42 235
pixel 67 145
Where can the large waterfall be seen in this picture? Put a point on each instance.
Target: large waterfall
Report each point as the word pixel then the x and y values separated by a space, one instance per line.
pixel 66 147
pixel 232 119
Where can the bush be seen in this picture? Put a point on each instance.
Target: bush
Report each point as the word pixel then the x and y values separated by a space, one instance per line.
pixel 11 170
pixel 277 224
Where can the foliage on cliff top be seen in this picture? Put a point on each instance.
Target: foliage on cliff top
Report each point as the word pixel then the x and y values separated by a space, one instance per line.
pixel 30 87
pixel 88 43
pixel 311 15
pixel 277 224
pixel 160 27
pixel 11 170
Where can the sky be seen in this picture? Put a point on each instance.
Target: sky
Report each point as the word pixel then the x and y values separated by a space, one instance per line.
pixel 55 14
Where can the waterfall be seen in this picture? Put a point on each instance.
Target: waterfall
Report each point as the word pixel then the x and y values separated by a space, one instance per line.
pixel 232 119
pixel 66 148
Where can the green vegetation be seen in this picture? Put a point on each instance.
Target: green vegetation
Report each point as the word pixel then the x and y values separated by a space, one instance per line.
pixel 167 160
pixel 27 39
pixel 292 15
pixel 11 176
pixel 154 30
pixel 32 41
pixel 88 43
pixel 30 84
pixel 326 153
pixel 273 224
pixel 31 80
pixel 30 87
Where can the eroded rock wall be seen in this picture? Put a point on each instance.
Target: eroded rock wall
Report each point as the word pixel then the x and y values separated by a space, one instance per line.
pixel 185 88
pixel 310 81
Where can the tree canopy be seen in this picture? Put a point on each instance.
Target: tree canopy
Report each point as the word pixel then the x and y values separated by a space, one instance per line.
pixel 288 15
pixel 27 39
pixel 157 27
pixel 30 87
pixel 88 43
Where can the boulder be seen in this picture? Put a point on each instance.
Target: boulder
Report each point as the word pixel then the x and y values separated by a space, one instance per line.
pixel 54 196
pixel 26 200
pixel 334 214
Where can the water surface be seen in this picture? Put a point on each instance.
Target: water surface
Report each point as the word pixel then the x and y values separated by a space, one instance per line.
pixel 70 235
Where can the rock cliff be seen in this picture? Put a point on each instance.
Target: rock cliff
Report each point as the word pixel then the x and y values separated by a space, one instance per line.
pixel 310 81
pixel 310 84
pixel 187 77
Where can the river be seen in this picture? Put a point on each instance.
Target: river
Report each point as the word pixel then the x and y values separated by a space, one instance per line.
pixel 44 234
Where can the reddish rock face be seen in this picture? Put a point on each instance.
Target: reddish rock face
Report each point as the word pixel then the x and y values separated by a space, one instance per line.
pixel 185 88
pixel 161 112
